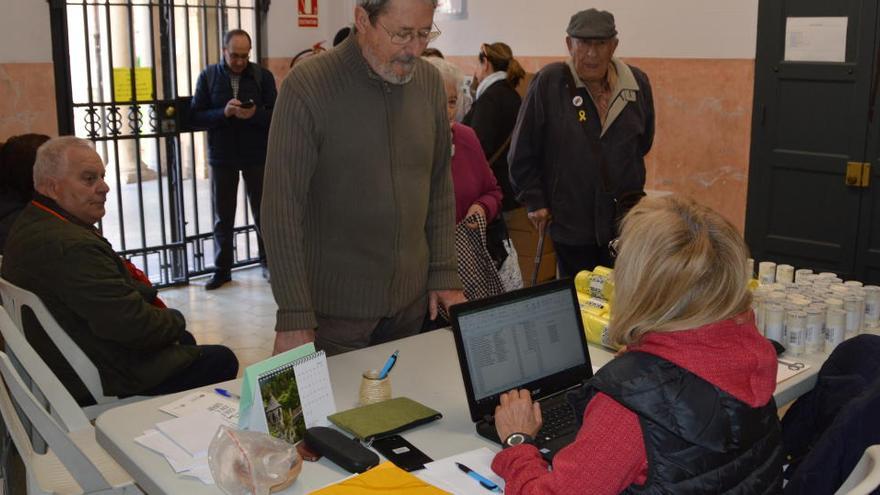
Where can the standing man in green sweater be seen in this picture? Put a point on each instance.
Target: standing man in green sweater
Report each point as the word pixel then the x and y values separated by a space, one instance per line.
pixel 358 207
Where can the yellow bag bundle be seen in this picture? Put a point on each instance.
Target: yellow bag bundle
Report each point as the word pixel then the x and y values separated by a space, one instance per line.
pixel 598 283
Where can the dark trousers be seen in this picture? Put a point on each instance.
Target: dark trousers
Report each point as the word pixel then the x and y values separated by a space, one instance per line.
pixel 572 259
pixel 216 363
pixel 224 189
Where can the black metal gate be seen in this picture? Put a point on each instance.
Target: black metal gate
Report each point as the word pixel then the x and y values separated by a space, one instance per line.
pixel 124 72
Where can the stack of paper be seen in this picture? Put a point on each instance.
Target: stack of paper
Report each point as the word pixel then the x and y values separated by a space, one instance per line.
pixel 445 474
pixel 184 441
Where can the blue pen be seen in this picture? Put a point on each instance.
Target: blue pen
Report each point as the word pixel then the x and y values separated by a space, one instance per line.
pixel 388 365
pixel 482 480
pixel 227 393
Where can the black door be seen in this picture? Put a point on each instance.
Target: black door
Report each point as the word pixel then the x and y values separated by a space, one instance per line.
pixel 868 258
pixel 810 119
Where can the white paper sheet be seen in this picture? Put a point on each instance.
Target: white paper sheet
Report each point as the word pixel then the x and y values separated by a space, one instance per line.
pixel 202 473
pixel 204 400
pixel 444 474
pixel 815 39
pixel 193 432
pixel 315 390
pixel 178 458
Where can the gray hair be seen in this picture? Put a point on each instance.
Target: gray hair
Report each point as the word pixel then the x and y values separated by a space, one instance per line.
pixel 452 74
pixel 51 161
pixel 449 71
pixel 375 8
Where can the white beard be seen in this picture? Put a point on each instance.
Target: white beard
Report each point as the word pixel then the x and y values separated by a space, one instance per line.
pixel 386 70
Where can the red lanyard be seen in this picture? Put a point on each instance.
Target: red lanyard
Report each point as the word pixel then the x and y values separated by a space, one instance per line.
pixel 46 208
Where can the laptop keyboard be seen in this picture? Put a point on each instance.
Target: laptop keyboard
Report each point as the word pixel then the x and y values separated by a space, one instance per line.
pixel 559 419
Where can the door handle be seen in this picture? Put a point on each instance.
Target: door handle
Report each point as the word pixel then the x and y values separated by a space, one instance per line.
pixel 858 174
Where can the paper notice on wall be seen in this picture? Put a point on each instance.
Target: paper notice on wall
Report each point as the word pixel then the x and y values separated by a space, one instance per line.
pixel 815 39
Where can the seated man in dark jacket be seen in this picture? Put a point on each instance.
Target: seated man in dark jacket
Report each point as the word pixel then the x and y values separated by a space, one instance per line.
pixel 108 307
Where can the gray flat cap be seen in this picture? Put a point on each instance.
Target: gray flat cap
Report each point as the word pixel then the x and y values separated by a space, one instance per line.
pixel 592 24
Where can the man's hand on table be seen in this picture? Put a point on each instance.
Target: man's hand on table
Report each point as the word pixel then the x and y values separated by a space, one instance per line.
pixel 446 298
pixel 284 341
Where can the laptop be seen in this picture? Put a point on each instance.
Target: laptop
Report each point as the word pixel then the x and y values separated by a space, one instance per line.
pixel 531 338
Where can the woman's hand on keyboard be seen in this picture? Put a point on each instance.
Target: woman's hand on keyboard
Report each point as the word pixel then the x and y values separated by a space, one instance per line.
pixel 517 413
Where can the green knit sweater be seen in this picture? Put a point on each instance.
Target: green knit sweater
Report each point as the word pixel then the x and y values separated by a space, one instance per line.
pixel 358 208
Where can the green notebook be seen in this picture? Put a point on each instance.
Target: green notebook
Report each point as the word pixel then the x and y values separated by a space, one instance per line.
pixel 384 418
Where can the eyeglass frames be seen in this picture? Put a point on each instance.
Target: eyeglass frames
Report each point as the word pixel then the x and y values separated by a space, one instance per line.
pixel 406 36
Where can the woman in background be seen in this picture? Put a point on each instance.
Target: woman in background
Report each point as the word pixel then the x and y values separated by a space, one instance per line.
pixel 476 191
pixel 476 194
pixel 17 157
pixel 493 113
pixel 688 406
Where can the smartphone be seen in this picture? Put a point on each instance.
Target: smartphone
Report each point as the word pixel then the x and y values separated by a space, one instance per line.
pixel 247 104
pixel 401 453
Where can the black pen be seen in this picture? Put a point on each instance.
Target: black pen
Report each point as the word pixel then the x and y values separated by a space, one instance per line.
pixel 482 480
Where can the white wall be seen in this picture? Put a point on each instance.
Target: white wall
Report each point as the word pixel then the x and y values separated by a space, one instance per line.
pixel 648 28
pixel 25 34
pixel 286 38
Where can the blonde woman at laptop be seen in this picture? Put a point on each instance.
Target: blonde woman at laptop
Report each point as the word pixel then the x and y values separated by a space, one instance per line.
pixel 688 407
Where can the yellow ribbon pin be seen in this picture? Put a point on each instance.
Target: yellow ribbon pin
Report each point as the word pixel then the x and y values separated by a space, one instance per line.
pixel 582 116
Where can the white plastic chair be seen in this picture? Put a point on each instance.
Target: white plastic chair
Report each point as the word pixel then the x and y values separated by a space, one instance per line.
pixel 15 299
pixel 74 463
pixel 865 477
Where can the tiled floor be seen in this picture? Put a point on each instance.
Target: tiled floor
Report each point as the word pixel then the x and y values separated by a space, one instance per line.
pixel 239 315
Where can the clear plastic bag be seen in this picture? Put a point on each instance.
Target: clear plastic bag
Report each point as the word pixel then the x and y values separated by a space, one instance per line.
pixel 251 463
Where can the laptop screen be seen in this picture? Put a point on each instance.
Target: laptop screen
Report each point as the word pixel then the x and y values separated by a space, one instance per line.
pixel 515 342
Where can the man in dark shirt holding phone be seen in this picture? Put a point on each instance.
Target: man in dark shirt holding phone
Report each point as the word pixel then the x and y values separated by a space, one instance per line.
pixel 233 101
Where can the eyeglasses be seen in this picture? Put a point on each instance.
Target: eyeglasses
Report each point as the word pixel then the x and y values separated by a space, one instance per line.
pixel 406 36
pixel 614 247
pixel 239 56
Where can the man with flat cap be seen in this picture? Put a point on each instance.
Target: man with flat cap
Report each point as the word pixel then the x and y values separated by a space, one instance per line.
pixel 578 148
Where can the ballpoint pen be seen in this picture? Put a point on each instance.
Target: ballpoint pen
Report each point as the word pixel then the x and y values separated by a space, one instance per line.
pixel 388 365
pixel 227 393
pixel 482 480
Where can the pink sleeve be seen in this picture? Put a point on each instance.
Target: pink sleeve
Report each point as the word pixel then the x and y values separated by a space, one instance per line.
pixel 607 456
pixel 490 191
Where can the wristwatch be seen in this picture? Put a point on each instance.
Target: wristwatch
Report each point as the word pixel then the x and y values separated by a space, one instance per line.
pixel 517 439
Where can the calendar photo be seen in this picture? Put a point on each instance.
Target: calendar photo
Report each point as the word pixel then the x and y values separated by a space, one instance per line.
pixel 282 405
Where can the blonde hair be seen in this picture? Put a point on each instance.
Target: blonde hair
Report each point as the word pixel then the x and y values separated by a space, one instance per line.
pixel 681 265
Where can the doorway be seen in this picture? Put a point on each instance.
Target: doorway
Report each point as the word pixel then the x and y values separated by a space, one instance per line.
pixel 815 156
pixel 125 70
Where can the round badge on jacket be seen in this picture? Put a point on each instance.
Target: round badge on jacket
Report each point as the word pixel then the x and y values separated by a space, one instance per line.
pixel 577 100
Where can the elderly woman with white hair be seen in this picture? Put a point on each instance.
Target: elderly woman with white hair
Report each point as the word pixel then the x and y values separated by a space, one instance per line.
pixel 477 194
pixel 476 191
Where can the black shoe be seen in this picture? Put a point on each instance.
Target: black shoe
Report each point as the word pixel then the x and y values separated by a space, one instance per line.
pixel 218 279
